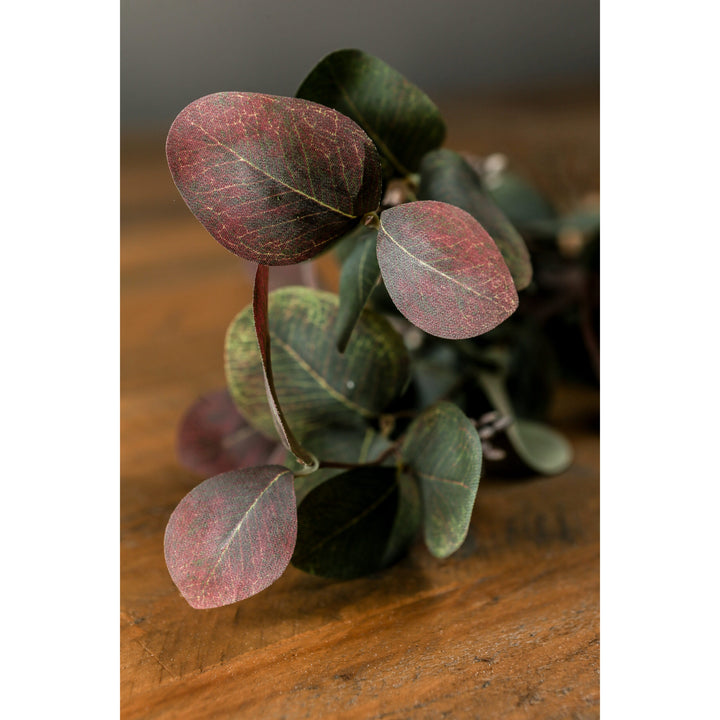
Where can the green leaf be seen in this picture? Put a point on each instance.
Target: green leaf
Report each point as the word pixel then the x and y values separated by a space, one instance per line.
pixel 436 372
pixel 400 118
pixel 584 222
pixel 232 535
pixel 273 179
pixel 542 448
pixel 407 520
pixel 344 247
pixel 446 176
pixel 538 446
pixel 317 387
pixel 262 333
pixel 356 523
pixel 521 202
pixel 360 273
pixel 443 450
pixel 338 445
pixel 443 271
pixel 528 360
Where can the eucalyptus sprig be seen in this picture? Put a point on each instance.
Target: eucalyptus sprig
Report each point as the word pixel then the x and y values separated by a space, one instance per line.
pixel 350 422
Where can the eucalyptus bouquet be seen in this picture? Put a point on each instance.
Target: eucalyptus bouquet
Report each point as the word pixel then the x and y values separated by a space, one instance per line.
pixel 351 422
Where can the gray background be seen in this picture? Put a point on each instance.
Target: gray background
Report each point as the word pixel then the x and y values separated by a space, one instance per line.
pixel 174 51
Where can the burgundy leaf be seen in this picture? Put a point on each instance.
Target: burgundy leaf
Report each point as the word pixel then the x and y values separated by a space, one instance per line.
pixel 232 536
pixel 260 315
pixel 214 437
pixel 443 271
pixel 273 179
pixel 446 176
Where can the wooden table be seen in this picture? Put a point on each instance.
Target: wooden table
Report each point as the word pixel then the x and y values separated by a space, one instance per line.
pixel 508 627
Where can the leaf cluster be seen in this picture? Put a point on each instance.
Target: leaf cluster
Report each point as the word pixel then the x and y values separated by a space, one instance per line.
pixel 386 398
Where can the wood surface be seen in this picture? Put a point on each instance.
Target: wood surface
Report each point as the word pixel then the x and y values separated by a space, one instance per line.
pixel 508 627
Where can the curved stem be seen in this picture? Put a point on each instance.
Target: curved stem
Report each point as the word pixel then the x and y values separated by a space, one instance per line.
pixel 350 465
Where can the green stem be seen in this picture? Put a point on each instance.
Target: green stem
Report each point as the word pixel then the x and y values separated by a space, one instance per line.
pixel 349 466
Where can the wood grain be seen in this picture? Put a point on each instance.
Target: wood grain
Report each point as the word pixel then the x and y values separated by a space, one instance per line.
pixel 508 627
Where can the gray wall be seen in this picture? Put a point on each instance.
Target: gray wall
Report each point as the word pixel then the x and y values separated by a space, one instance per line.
pixel 173 51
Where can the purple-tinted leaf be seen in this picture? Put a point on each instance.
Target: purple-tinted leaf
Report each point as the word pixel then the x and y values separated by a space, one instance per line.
pixel 448 177
pixel 214 437
pixel 232 536
pixel 273 179
pixel 443 271
pixel 262 332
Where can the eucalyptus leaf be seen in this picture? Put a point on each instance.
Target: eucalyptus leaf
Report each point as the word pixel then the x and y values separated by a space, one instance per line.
pixel 443 271
pixel 584 222
pixel 446 176
pixel 316 386
pixel 538 446
pixel 542 448
pixel 407 520
pixel 356 523
pixel 360 274
pixel 528 361
pixel 400 118
pixel 338 445
pixel 520 200
pixel 436 372
pixel 232 536
pixel 443 450
pixel 214 437
pixel 273 179
pixel 531 371
pixel 344 247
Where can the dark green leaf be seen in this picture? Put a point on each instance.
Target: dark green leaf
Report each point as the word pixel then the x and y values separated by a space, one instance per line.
pixel 399 117
pixel 446 176
pixel 443 271
pixel 521 202
pixel 583 222
pixel 317 387
pixel 407 520
pixel 436 372
pixel 360 273
pixel 538 446
pixel 338 445
pixel 344 247
pixel 443 450
pixel 232 535
pixel 529 362
pixel 355 523
pixel 274 180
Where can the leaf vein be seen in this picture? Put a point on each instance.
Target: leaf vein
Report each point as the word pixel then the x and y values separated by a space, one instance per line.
pixel 320 380
pixel 272 177
pixel 440 272
pixel 236 530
